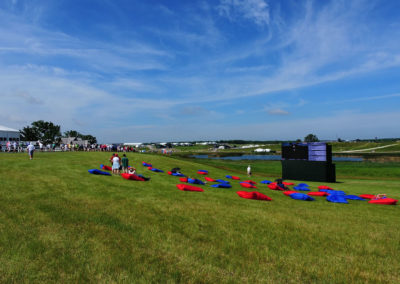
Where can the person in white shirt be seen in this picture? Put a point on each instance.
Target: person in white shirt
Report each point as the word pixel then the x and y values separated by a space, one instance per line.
pixel 249 171
pixel 115 164
pixel 31 149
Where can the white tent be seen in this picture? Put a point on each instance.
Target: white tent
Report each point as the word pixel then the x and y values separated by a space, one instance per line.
pixel 8 134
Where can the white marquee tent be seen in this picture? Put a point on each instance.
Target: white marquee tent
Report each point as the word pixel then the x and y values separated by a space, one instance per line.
pixel 8 134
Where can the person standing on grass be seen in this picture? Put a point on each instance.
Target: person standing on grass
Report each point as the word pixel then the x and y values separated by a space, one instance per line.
pixel 249 171
pixel 125 163
pixel 116 164
pixel 31 149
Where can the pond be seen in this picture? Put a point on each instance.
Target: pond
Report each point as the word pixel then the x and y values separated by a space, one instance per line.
pixel 269 158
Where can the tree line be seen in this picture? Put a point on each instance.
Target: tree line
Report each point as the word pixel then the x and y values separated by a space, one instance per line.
pixel 47 132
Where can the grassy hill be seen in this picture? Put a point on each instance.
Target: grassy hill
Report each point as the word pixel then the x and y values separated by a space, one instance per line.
pixel 337 147
pixel 61 224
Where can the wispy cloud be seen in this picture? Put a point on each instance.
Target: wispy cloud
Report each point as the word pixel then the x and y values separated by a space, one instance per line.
pixel 256 11
pixel 28 98
pixel 277 111
pixel 189 64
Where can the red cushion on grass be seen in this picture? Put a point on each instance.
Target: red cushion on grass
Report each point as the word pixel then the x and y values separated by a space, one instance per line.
pixel 324 187
pixel 289 192
pixel 169 172
pixel 188 187
pixel 132 177
pixel 288 183
pixel 384 201
pixel 236 178
pixel 183 179
pixel 253 195
pixel 318 193
pixel 250 181
pixel 209 179
pixel 367 196
pixel 274 186
pixel 202 173
pixel 108 168
pixel 247 185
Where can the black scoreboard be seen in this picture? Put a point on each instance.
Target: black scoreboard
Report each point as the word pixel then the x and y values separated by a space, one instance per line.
pixel 308 161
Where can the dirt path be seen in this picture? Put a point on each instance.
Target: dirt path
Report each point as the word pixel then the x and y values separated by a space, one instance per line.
pixel 369 149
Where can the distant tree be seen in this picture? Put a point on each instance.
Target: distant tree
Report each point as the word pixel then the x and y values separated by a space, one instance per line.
pixel 91 139
pixel 44 131
pixel 339 140
pixel 298 140
pixel 311 138
pixel 29 134
pixel 48 131
pixel 71 133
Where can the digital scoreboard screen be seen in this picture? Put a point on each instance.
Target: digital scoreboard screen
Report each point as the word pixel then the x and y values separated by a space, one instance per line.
pixel 314 151
pixel 294 151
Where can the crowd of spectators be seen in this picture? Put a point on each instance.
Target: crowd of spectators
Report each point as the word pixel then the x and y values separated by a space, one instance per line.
pixel 20 146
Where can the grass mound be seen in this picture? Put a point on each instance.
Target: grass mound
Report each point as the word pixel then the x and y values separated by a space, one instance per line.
pixel 61 224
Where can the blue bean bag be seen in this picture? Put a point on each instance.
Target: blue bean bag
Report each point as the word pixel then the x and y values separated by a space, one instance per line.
pixel 336 198
pixel 98 172
pixel 301 188
pixel 266 181
pixel 303 184
pixel 222 185
pixel 178 174
pixel 333 192
pixel 301 196
pixel 195 181
pixel 156 170
pixel 222 181
pixel 354 197
pixel 146 164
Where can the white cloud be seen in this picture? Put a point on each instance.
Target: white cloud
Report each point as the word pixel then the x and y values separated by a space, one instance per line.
pixel 253 10
pixel 277 111
pixel 347 125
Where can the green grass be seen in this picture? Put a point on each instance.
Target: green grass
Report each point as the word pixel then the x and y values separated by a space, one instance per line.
pixel 60 224
pixel 364 170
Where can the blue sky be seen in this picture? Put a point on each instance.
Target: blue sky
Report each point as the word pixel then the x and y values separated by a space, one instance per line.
pixel 139 71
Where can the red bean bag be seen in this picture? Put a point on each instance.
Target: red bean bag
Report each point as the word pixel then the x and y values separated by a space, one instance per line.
pixel 149 168
pixel 250 181
pixel 318 193
pixel 289 192
pixel 236 178
pixel 367 196
pixel 108 168
pixel 253 195
pixel 384 201
pixel 185 179
pixel 132 177
pixel 247 185
pixel 169 172
pixel 288 183
pixel 324 187
pixel 202 172
pixel 209 179
pixel 274 186
pixel 187 187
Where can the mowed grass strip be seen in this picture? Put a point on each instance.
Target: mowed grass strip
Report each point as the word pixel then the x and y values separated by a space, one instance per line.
pixel 60 224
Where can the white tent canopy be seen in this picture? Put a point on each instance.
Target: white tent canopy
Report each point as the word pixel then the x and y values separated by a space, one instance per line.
pixel 8 134
pixel 3 128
